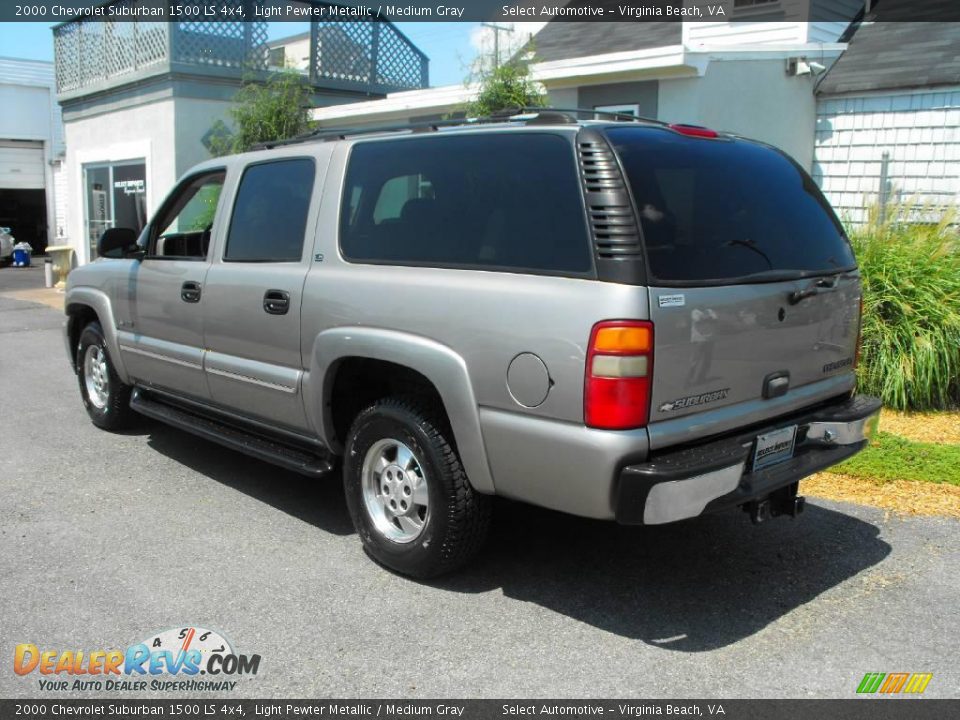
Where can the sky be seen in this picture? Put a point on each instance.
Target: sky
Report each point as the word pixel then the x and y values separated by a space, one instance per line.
pixel 451 46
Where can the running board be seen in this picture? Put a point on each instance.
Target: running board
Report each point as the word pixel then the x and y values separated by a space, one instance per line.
pixel 265 448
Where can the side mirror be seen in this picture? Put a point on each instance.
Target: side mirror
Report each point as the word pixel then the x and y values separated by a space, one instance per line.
pixel 115 242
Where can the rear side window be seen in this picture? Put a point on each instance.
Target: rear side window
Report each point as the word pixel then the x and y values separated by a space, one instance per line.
pixel 497 201
pixel 270 212
pixel 727 211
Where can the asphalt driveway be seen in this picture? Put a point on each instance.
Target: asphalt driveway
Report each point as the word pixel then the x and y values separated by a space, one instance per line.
pixel 106 539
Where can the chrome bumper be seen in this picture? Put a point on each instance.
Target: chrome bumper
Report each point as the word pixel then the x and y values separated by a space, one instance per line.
pixel 715 475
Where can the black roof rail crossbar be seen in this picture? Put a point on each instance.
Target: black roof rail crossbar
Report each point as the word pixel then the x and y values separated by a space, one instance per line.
pixel 538 115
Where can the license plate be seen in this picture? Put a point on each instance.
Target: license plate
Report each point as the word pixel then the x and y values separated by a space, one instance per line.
pixel 774 447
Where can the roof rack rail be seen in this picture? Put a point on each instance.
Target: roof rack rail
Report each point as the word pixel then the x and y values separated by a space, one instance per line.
pixel 531 115
pixel 340 133
pixel 590 111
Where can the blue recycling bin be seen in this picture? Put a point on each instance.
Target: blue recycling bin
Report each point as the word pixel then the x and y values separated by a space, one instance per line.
pixel 21 258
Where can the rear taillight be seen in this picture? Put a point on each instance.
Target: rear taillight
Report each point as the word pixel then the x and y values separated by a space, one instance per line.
pixel 856 353
pixel 616 392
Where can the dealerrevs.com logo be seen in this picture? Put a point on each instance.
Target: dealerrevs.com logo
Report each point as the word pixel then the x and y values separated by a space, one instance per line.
pixel 170 661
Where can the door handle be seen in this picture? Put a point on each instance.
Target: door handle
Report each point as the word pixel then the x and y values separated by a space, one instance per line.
pixel 276 302
pixel 190 292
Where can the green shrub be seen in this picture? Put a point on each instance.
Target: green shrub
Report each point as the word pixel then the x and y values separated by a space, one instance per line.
pixel 276 109
pixel 911 313
pixel 507 86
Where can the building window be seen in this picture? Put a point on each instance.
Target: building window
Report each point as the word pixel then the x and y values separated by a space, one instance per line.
pixel 115 195
pixel 739 4
pixel 633 110
pixel 277 57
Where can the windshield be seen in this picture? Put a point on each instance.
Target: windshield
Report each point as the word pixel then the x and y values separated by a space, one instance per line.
pixel 721 211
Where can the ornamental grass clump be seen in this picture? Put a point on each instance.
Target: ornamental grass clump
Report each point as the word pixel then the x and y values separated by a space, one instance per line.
pixel 911 313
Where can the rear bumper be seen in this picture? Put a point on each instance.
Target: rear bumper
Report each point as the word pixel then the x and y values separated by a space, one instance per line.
pixel 700 479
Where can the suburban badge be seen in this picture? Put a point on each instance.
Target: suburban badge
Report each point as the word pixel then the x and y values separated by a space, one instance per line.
pixel 693 400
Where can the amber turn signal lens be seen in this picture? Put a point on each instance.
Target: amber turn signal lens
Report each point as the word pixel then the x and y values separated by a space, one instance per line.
pixel 622 340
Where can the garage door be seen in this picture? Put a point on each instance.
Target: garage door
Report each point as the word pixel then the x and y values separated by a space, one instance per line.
pixel 21 165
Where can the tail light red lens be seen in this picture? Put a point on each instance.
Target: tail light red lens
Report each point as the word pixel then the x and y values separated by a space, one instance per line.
pixel 616 392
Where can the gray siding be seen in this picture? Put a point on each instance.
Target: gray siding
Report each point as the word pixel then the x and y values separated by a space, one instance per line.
pixel 643 94
pixel 920 132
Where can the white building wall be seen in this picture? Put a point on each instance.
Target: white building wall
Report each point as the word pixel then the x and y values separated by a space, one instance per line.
pixel 754 98
pixel 194 118
pixel 920 130
pixel 146 131
pixel 31 112
pixel 58 232
pixel 715 34
pixel 296 52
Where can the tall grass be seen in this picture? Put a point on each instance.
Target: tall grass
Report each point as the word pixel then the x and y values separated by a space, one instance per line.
pixel 911 314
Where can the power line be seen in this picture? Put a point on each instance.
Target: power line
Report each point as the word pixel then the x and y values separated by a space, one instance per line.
pixel 497 29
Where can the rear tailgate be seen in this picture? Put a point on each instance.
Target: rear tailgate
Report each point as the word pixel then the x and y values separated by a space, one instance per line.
pixel 719 346
pixel 754 292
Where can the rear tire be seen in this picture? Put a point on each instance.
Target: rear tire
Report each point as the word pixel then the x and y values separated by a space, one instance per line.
pixel 105 397
pixel 407 492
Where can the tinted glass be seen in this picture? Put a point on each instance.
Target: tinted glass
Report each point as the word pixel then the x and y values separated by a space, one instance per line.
pixel 508 201
pixel 270 212
pixel 183 228
pixel 722 210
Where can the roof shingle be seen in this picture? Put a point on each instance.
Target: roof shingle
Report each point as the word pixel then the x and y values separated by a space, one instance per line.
pixel 889 55
pixel 563 40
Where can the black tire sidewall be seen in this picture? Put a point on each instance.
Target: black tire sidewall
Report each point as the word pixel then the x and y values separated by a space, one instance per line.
pixel 115 412
pixel 422 556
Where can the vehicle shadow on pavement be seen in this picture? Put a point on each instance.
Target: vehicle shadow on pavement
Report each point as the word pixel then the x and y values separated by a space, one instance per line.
pixel 316 501
pixel 692 586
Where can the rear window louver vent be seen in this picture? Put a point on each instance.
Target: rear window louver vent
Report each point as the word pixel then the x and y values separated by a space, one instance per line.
pixel 609 208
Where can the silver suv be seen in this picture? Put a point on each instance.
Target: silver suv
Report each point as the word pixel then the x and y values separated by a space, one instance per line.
pixel 622 320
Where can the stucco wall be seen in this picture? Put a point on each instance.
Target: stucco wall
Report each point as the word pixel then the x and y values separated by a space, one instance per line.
pixel 194 118
pixel 145 131
pixel 920 131
pixel 643 94
pixel 754 98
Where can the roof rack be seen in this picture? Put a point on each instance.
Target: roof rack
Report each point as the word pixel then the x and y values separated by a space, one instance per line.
pixel 605 113
pixel 529 115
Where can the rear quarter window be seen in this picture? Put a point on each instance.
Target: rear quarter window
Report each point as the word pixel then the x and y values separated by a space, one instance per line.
pixel 726 210
pixel 493 201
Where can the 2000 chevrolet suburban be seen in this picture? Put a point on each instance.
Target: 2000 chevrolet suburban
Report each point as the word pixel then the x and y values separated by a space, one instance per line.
pixel 623 320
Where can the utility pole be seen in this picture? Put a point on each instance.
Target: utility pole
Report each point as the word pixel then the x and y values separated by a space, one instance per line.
pixel 497 29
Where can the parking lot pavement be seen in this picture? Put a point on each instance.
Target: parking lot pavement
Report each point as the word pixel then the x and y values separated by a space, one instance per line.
pixel 106 539
pixel 22 278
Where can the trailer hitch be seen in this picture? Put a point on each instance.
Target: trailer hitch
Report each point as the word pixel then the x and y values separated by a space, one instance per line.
pixel 782 502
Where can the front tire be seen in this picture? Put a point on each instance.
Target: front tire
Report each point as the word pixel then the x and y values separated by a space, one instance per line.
pixel 407 492
pixel 105 397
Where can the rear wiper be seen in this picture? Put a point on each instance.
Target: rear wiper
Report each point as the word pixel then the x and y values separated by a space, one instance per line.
pixel 818 286
pixel 750 245
pixel 768 276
